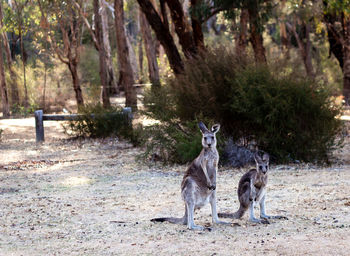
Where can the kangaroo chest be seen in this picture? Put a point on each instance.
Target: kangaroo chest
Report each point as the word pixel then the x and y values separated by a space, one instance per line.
pixel 260 185
pixel 211 158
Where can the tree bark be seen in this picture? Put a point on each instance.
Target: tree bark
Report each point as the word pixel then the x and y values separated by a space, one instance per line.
pixel 256 37
pixel 24 60
pixel 73 68
pixel 197 29
pixel 126 72
pixel 308 52
pixel 102 55
pixel 44 89
pixel 111 78
pixel 140 52
pixel 163 11
pixel 304 45
pixel 153 69
pixel 242 41
pixel 163 35
pixel 4 96
pixel 339 44
pixel 132 56
pixel 346 54
pixel 71 32
pixel 13 76
pixel 183 28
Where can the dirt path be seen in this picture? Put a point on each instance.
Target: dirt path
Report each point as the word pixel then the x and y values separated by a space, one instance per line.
pixel 93 197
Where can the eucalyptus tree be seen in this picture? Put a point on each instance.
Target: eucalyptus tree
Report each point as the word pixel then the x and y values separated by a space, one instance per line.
pixel 300 24
pixel 126 72
pixel 337 20
pixel 153 69
pixel 21 18
pixel 64 25
pixel 3 88
pixel 102 50
pixel 13 76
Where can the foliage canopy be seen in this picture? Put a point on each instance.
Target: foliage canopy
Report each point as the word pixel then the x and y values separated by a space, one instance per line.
pixel 291 118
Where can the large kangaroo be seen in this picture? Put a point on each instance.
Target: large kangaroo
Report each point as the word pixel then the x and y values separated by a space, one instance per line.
pixel 198 186
pixel 252 190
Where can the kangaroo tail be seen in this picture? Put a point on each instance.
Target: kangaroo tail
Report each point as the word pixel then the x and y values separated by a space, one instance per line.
pixel 170 219
pixel 235 215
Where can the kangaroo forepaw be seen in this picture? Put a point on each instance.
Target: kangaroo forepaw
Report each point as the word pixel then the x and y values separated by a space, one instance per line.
pixel 211 187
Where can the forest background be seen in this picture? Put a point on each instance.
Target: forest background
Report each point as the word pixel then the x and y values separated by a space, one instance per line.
pixel 60 56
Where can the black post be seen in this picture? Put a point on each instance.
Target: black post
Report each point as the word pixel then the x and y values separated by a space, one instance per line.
pixel 39 125
pixel 127 111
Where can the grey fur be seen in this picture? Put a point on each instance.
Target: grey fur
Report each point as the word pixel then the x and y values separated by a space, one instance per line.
pixel 252 190
pixel 198 186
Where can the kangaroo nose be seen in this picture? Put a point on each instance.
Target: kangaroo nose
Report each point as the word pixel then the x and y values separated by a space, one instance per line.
pixel 209 145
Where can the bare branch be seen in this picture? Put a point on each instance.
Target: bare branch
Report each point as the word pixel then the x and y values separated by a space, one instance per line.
pixel 81 12
pixel 337 36
pixel 52 38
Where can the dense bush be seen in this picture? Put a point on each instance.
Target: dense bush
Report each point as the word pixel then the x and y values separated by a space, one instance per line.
pixel 173 142
pixel 96 122
pixel 288 116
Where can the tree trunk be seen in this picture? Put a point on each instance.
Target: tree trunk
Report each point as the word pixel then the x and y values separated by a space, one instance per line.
pixel 13 76
pixel 256 37
pixel 285 43
pixel 44 89
pixel 335 46
pixel 163 35
pixel 4 96
pixel 76 83
pixel 132 56
pixel 197 29
pixel 102 55
pixel 308 51
pixel 242 42
pixel 163 11
pixel 339 44
pixel 304 45
pixel 183 29
pixel 140 61
pixel 346 54
pixel 24 59
pixel 126 72
pixel 153 69
pixel 111 78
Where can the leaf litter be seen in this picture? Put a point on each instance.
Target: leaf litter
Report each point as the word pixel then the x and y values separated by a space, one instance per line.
pixel 93 197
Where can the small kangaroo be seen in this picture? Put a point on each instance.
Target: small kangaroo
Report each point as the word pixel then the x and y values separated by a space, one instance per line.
pixel 252 190
pixel 198 186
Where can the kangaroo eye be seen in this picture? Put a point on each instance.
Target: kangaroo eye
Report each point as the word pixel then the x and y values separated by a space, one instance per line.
pixel 212 137
pixel 260 168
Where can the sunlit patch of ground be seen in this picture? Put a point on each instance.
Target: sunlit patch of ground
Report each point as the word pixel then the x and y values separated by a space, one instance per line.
pixel 93 197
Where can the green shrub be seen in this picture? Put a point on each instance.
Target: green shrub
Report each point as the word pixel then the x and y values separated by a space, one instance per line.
pixel 288 116
pixel 89 68
pixel 172 142
pixel 96 122
pixel 19 110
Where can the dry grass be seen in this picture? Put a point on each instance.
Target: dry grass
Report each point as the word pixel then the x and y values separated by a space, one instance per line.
pixel 92 197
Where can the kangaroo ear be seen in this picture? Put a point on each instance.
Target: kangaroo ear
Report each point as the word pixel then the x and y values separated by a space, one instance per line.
pixel 215 128
pixel 202 127
pixel 257 158
pixel 266 157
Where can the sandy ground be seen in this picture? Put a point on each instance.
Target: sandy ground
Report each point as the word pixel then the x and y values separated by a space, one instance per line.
pixel 93 197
